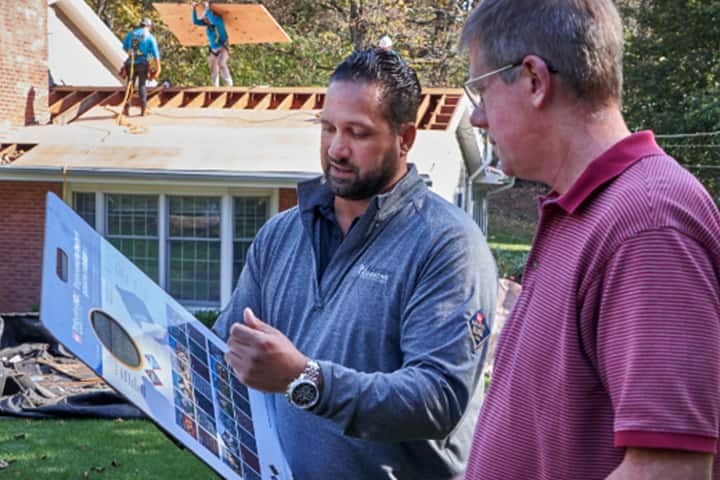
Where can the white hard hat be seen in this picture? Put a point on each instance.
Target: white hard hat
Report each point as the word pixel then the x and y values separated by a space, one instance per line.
pixel 385 42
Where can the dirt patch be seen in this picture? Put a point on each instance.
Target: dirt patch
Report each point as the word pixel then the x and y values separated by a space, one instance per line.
pixel 513 212
pixel 518 202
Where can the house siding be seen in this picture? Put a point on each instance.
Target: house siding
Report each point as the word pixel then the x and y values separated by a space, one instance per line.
pixel 22 208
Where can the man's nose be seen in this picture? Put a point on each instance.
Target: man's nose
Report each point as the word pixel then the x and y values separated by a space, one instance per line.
pixel 478 118
pixel 339 147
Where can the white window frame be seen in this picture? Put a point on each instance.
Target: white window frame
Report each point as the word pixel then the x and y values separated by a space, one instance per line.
pixel 226 194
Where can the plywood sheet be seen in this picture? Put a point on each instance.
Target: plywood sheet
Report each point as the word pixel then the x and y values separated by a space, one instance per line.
pixel 245 23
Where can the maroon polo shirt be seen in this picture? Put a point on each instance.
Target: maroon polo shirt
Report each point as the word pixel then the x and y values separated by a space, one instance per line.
pixel 615 339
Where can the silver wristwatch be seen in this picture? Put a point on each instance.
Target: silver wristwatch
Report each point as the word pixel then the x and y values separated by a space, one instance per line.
pixel 304 391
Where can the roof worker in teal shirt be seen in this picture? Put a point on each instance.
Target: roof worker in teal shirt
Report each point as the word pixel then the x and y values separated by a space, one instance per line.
pixel 218 47
pixel 140 45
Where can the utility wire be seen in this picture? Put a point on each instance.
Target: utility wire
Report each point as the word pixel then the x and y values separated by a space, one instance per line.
pixel 681 145
pixel 688 135
pixel 701 167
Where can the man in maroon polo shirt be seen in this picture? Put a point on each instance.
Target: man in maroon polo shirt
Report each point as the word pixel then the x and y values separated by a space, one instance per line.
pixel 609 365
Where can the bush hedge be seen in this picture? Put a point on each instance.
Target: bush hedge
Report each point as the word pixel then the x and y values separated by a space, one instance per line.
pixel 510 262
pixel 207 317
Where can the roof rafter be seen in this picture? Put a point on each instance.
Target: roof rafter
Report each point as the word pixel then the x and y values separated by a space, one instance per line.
pixel 67 104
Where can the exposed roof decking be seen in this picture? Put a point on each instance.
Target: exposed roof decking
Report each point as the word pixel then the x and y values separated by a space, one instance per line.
pixel 215 135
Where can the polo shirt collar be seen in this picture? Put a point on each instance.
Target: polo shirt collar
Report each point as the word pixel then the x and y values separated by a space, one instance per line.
pixel 604 168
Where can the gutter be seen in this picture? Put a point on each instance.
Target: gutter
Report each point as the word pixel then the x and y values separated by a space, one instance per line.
pixel 151 176
pixel 483 180
pixel 467 140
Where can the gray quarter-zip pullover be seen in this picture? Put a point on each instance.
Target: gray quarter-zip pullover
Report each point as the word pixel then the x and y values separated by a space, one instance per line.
pixel 397 323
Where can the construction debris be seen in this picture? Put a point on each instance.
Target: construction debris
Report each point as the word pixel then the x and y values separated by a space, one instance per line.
pixel 12 151
pixel 39 378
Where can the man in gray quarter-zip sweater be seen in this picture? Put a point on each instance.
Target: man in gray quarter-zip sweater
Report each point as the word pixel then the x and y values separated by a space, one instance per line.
pixel 368 305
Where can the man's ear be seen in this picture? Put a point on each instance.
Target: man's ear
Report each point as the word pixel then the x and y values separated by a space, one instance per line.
pixel 540 78
pixel 407 134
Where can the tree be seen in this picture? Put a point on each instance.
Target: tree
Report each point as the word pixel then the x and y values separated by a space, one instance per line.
pixel 323 32
pixel 672 79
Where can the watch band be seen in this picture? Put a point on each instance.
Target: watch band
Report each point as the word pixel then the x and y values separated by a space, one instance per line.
pixel 312 372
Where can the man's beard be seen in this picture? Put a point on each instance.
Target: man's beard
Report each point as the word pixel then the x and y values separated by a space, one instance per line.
pixel 361 187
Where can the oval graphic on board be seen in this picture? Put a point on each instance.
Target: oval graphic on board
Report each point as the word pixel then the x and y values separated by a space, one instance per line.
pixel 116 339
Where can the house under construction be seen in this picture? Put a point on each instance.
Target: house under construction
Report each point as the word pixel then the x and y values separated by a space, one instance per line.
pixel 183 191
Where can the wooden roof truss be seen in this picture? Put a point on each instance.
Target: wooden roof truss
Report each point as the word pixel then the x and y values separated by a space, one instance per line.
pixel 70 103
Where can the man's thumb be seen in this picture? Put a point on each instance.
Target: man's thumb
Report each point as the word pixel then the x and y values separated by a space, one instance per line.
pixel 253 322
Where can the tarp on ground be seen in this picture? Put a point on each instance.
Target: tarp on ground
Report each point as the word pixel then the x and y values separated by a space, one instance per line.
pixel 39 378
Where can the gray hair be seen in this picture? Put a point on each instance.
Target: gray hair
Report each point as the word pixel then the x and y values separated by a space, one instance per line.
pixel 581 39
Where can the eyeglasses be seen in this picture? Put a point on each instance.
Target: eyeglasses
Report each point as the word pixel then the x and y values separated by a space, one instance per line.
pixel 474 93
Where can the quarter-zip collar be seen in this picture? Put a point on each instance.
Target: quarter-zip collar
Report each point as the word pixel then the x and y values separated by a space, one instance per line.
pixel 315 192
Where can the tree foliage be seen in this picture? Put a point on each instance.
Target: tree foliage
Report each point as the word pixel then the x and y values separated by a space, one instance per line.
pixel 322 32
pixel 672 79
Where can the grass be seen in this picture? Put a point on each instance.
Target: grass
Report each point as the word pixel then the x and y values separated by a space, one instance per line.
pixel 504 229
pixel 510 247
pixel 511 253
pixel 43 449
pixel 510 235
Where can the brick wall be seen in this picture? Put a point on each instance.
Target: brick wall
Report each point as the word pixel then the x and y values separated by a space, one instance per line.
pixel 288 199
pixel 22 209
pixel 23 63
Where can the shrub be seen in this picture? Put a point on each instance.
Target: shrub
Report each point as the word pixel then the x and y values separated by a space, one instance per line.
pixel 207 317
pixel 510 263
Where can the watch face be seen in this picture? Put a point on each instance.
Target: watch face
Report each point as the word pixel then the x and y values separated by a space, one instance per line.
pixel 305 394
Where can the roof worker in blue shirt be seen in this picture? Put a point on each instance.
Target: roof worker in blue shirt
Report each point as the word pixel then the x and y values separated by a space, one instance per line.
pixel 140 45
pixel 218 48
pixel 364 311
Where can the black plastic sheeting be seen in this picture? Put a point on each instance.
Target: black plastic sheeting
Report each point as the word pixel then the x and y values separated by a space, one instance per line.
pixel 40 378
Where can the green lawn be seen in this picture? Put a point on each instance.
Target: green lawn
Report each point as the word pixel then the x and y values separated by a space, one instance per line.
pixel 510 234
pixel 78 449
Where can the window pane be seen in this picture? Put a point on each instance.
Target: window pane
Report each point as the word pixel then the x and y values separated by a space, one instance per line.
pixel 194 249
pixel 250 214
pixel 195 217
pixel 240 248
pixel 132 229
pixel 84 205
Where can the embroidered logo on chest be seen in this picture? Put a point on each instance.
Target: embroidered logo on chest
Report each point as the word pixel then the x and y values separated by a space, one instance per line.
pixel 479 331
pixel 366 273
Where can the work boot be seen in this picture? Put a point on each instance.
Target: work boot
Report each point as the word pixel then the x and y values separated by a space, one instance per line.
pixel 126 110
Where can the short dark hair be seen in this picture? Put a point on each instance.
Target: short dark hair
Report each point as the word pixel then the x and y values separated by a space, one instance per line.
pixel 400 87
